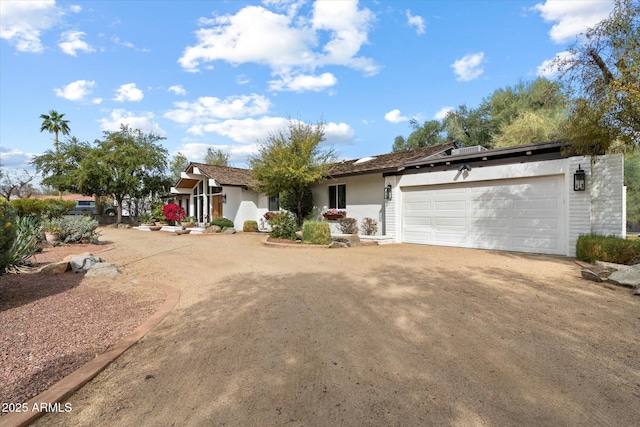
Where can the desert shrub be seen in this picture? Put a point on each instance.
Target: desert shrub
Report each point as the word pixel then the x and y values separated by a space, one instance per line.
pixel 25 245
pixel 173 212
pixel 42 208
pixel 156 213
pixel 369 226
pixel 222 222
pixel 593 248
pixel 81 229
pixel 145 218
pixel 283 226
pixel 8 232
pixel 316 232
pixel 250 226
pixel 348 225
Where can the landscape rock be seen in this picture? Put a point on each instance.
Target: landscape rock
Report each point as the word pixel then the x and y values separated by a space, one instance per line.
pixel 72 256
pixel 590 275
pixel 629 276
pixel 103 269
pixel 55 268
pixel 610 266
pixel 352 240
pixel 83 263
pixel 211 229
pixel 228 230
pixel 336 244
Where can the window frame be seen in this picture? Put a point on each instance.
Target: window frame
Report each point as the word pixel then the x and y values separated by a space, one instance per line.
pixel 337 196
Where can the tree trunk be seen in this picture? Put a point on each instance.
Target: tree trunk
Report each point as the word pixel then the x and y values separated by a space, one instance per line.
pixel 119 199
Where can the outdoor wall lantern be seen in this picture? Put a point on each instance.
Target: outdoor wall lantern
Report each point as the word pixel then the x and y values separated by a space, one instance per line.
pixel 224 198
pixel 387 192
pixel 579 179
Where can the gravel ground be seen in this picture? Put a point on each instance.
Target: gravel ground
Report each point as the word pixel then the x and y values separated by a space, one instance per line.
pixel 52 325
pixel 393 335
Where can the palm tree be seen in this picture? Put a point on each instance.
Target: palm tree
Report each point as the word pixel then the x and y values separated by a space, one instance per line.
pixel 54 123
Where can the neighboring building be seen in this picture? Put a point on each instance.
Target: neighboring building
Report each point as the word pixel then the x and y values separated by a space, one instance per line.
pixel 516 199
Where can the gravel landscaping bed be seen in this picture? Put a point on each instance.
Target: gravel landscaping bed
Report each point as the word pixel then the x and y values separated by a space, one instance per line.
pixel 52 325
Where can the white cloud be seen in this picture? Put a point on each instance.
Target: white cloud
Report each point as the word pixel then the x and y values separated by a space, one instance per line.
pixel 468 67
pixel 143 121
pixel 76 91
pixel 394 116
pixel 177 89
pixel 547 69
pixel 196 151
pixel 128 92
pixel 76 8
pixel 338 134
pixel 243 79
pixel 442 113
pixel 14 158
pixel 303 83
pixel 292 47
pixel 70 43
pixel 208 109
pixel 416 21
pixel 245 131
pixel 23 22
pixel 572 17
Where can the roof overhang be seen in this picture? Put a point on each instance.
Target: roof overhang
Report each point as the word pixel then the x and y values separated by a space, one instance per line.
pixel 501 156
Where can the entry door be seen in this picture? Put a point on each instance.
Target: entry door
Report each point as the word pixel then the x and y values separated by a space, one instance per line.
pixel 216 206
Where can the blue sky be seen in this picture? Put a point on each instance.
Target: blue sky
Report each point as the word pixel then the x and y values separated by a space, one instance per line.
pixel 227 74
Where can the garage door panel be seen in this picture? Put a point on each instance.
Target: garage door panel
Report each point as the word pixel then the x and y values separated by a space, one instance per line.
pixel 518 214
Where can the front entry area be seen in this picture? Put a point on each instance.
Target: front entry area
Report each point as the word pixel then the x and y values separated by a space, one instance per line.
pixel 216 206
pixel 523 215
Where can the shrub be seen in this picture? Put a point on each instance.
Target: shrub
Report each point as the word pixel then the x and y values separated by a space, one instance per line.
pixel 25 245
pixel 348 225
pixel 80 229
pixel 8 232
pixel 156 213
pixel 43 208
pixel 283 226
pixel 222 222
pixel 145 218
pixel 173 212
pixel 250 226
pixel 369 226
pixel 289 202
pixel 593 248
pixel 316 233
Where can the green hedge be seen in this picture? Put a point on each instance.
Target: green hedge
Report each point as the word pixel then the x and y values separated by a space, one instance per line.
pixel 42 207
pixel 594 248
pixel 316 233
pixel 250 226
pixel 222 222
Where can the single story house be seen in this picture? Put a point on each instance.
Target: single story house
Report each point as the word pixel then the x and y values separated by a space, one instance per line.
pixel 531 198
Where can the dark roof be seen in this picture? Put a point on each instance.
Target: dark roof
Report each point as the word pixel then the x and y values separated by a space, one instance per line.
pixel 224 175
pixel 388 162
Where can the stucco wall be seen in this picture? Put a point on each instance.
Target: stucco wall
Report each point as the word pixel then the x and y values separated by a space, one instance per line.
pixel 608 195
pixel 365 198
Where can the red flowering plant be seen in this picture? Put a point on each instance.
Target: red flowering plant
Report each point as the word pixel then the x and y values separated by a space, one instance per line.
pixel 269 215
pixel 173 213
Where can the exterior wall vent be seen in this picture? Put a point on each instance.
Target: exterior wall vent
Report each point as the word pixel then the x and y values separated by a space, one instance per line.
pixel 468 150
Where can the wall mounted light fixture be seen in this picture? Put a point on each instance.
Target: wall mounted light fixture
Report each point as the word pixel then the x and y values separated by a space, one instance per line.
pixel 387 191
pixel 579 180
pixel 224 198
pixel 464 167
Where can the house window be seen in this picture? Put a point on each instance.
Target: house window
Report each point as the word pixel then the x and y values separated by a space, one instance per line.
pixel 338 196
pixel 274 203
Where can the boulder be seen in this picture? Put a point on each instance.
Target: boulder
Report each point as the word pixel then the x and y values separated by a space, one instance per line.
pixel 336 244
pixel 55 268
pixel 103 269
pixel 629 276
pixel 70 257
pixel 228 230
pixel 590 275
pixel 212 229
pixel 82 263
pixel 351 240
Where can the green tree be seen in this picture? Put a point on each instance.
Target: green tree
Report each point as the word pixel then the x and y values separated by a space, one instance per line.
pixel 178 164
pixel 468 127
pixel 289 202
pixel 57 168
pixel 425 135
pixel 291 160
pixel 632 181
pixel 125 163
pixel 604 69
pixel 216 157
pixel 55 123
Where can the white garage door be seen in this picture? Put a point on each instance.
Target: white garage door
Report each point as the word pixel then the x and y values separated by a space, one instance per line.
pixel 524 215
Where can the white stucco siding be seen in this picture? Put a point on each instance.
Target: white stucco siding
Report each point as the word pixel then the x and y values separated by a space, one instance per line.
pixel 241 206
pixel 365 197
pixel 607 195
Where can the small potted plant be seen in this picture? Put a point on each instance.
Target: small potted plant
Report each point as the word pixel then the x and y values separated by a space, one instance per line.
pixel 146 219
pixel 52 230
pixel 189 221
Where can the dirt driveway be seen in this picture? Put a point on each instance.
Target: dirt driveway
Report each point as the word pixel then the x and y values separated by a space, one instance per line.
pixel 394 335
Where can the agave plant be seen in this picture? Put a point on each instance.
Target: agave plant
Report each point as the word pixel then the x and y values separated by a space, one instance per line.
pixel 25 245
